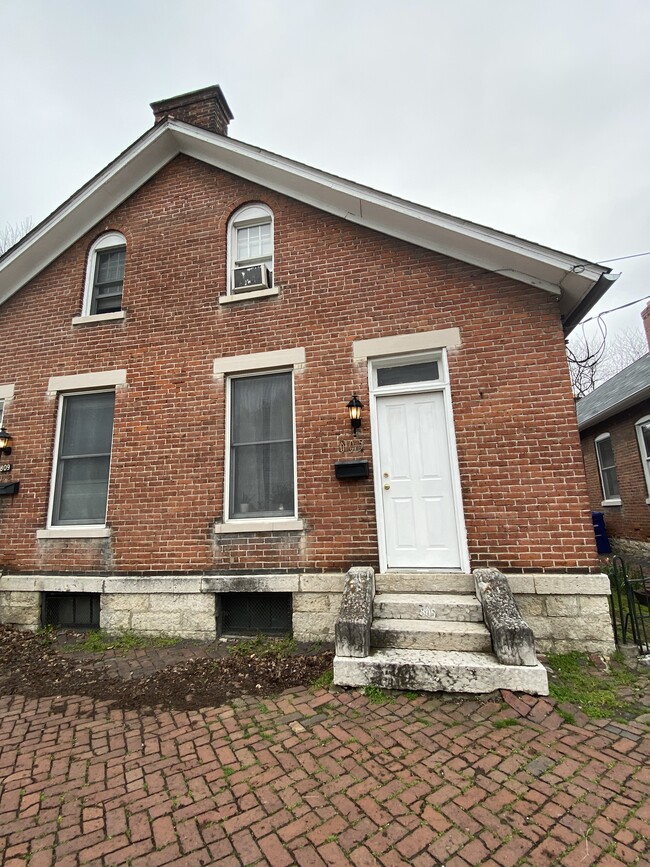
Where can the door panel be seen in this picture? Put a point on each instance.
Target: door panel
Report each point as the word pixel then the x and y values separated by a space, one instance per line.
pixel 419 511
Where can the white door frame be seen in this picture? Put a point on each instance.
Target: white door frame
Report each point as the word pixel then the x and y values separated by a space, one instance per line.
pixel 441 385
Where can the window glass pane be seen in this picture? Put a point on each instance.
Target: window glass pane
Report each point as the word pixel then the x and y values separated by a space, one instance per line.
pixel 109 281
pixel 262 465
pixel 608 475
pixel 110 266
pixel 645 435
pixel 84 487
pixel 424 371
pixel 262 480
pixel 81 484
pixel 87 424
pixel 261 409
pixel 254 242
pixel 605 452
pixel 2 406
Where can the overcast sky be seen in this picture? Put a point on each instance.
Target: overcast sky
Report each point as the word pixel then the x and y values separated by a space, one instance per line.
pixel 530 116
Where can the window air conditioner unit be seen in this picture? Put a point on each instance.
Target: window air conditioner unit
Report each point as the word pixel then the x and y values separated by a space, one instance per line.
pixel 252 277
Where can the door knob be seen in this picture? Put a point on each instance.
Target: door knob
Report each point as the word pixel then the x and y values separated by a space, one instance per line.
pixel 387 487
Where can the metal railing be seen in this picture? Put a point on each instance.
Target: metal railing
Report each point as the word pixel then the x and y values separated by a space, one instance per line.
pixel 630 604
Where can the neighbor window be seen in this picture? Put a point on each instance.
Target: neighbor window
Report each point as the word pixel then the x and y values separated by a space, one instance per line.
pixel 83 458
pixel 105 275
pixel 251 249
pixel 643 435
pixel 2 409
pixel 607 468
pixel 261 446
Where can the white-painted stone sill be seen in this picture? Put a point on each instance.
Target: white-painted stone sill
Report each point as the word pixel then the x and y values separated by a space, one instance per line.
pixel 249 296
pixel 74 533
pixel 615 501
pixel 262 525
pixel 99 317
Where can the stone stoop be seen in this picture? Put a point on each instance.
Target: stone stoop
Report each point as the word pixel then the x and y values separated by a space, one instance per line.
pixel 438 670
pixel 427 632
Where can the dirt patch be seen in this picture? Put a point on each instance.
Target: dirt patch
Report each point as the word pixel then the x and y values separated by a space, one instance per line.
pixel 37 665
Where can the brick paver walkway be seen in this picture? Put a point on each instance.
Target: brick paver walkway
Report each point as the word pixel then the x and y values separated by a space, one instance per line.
pixel 315 778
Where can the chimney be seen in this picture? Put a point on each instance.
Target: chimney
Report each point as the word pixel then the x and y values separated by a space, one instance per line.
pixel 206 108
pixel 645 315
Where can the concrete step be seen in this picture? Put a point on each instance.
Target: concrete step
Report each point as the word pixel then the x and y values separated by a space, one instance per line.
pixel 428 606
pixel 424 582
pixel 436 670
pixel 430 635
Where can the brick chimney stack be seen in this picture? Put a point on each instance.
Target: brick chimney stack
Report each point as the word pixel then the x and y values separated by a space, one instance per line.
pixel 206 108
pixel 645 315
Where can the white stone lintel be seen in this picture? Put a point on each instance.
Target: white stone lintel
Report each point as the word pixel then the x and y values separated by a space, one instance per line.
pixel 419 341
pixel 79 381
pixel 259 361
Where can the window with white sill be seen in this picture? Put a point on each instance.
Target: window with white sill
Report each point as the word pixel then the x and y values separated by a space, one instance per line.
pixel 82 459
pixel 105 275
pixel 250 250
pixel 643 437
pixel 607 470
pixel 261 446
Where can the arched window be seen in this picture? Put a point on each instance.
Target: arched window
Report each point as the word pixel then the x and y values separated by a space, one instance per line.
pixel 105 275
pixel 250 249
pixel 643 435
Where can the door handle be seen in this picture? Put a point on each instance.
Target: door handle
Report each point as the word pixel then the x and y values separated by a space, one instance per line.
pixel 387 487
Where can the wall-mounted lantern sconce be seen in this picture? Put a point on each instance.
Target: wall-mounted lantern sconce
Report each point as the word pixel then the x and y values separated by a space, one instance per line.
pixel 354 408
pixel 6 441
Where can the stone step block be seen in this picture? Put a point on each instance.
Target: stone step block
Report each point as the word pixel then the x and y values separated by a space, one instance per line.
pixel 437 670
pixel 430 635
pixel 424 582
pixel 428 606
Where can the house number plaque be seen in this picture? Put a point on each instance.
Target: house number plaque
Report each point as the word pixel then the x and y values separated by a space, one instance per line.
pixel 351 445
pixel 5 468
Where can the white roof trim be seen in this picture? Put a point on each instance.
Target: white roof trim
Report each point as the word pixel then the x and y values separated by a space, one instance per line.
pixel 570 277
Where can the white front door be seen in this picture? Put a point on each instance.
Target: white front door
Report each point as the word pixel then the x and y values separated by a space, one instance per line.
pixel 420 528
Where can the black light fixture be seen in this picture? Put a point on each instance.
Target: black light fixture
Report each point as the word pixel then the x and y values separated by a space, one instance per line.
pixel 354 408
pixel 6 440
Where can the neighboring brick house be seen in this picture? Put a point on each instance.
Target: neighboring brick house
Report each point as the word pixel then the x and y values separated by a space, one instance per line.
pixel 614 423
pixel 193 324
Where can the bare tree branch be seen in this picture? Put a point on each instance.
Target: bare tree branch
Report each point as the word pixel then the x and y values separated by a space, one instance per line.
pixel 11 234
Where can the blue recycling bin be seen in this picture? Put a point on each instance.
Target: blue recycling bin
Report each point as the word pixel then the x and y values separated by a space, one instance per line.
pixel 602 542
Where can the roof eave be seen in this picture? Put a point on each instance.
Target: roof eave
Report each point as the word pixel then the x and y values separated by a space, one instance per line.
pixel 621 406
pixel 576 281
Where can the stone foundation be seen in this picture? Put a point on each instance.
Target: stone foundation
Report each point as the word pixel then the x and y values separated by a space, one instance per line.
pixel 565 612
pixel 631 549
pixel 20 608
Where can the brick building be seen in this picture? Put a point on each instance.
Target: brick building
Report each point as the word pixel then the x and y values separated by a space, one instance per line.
pixel 614 422
pixel 181 340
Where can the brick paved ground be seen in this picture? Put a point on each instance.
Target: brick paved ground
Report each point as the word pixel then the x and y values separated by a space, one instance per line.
pixel 315 778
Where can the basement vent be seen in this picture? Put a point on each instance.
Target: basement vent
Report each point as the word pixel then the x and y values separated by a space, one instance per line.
pixel 249 613
pixel 71 610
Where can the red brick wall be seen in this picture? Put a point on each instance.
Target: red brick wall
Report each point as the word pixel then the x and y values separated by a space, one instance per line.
pixel 521 470
pixel 630 520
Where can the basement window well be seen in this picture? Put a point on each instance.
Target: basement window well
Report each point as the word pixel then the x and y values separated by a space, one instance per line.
pixel 71 610
pixel 250 613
